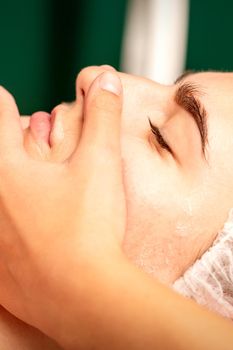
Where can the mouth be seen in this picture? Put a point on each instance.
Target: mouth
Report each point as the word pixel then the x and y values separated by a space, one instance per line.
pixel 49 127
pixel 44 125
pixel 56 124
pixel 40 126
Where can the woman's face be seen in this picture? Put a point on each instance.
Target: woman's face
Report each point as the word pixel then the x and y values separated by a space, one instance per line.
pixel 178 176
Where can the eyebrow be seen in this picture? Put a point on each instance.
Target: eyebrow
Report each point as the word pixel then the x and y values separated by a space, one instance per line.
pixel 186 96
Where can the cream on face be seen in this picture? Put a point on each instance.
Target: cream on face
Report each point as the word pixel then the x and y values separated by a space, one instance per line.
pixel 176 201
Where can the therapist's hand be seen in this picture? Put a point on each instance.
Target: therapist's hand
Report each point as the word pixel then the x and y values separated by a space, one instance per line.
pixel 57 218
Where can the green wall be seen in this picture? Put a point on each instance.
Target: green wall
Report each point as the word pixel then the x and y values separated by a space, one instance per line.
pixel 24 27
pixel 210 35
pixel 44 43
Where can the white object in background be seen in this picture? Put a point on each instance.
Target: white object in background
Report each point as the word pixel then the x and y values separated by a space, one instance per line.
pixel 155 39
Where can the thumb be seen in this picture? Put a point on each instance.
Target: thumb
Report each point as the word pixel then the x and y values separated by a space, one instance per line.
pixel 97 160
pixel 11 133
pixel 102 116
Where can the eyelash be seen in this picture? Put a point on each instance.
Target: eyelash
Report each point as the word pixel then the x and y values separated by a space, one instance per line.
pixel 159 138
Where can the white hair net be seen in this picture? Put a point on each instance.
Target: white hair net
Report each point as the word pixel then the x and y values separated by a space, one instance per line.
pixel 210 280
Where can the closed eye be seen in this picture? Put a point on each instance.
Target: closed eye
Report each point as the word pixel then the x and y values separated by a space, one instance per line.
pixel 159 138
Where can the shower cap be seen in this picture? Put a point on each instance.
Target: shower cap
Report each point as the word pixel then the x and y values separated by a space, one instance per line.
pixel 210 280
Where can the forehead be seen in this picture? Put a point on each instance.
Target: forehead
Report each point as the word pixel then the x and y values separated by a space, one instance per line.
pixel 213 80
pixel 216 91
pixel 217 98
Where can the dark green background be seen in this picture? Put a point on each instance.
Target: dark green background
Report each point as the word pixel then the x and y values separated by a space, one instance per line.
pixel 210 35
pixel 45 43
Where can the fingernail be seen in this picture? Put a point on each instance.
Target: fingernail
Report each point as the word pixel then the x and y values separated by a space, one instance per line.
pixel 110 82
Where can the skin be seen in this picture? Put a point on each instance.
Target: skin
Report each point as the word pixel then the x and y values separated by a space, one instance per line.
pixel 62 216
pixel 173 207
pixel 187 193
pixel 15 334
pixel 174 211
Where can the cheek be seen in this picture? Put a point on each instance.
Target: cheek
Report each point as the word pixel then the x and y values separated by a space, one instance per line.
pixel 168 223
pixel 153 207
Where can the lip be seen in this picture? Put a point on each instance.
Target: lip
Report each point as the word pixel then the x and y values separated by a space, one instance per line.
pixel 53 115
pixel 40 126
pixel 55 127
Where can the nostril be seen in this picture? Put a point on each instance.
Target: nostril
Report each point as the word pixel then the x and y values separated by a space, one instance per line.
pixel 87 76
pixel 82 92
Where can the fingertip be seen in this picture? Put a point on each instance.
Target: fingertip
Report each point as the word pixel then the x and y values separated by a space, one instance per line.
pixel 6 98
pixel 104 97
pixel 11 131
pixel 102 112
pixel 87 76
pixel 109 81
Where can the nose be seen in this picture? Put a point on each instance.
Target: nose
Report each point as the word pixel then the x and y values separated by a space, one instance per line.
pixel 143 99
pixel 87 76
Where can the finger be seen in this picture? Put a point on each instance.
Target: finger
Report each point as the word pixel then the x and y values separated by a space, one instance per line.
pixel 102 115
pixel 25 121
pixel 97 160
pixel 11 134
pixel 87 76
